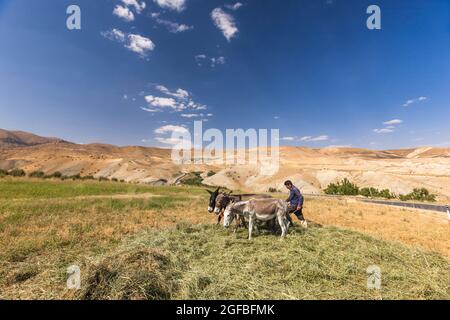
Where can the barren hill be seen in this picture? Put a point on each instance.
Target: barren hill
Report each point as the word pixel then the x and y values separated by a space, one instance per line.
pixel 311 169
pixel 10 139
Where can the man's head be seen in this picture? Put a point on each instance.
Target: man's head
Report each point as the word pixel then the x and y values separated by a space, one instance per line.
pixel 288 184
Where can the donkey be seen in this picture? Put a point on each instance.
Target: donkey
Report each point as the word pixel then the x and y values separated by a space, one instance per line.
pixel 212 199
pixel 258 209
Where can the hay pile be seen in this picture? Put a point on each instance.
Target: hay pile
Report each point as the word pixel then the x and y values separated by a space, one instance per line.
pixel 143 274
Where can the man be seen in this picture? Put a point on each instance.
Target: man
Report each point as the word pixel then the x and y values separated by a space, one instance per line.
pixel 295 203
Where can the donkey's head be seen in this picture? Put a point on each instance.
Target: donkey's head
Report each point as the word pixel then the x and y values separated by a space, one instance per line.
pixel 212 199
pixel 229 214
pixel 222 202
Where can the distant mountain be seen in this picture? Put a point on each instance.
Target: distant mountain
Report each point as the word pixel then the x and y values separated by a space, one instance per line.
pixel 11 139
pixel 310 169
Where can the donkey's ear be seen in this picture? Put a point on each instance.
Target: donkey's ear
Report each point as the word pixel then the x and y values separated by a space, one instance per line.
pixel 209 191
pixel 217 191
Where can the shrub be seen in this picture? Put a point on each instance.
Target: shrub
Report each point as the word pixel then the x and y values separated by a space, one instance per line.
pixel 194 179
pixel 210 174
pixel 3 173
pixel 17 173
pixel 273 190
pixel 344 188
pixel 103 179
pixel 57 175
pixel 421 194
pixel 36 174
pixel 115 180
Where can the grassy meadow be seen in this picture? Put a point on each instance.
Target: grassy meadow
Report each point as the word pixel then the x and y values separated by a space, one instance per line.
pixel 142 242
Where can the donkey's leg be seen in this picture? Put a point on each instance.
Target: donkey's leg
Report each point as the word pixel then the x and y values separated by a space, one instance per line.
pixel 251 220
pixel 282 220
pixel 219 218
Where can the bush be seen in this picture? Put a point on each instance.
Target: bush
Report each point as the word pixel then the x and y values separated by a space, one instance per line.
pixel 17 173
pixel 3 173
pixel 421 194
pixel 37 174
pixel 273 190
pixel 57 175
pixel 103 179
pixel 88 178
pixel 375 193
pixel 194 179
pixel 115 180
pixel 210 174
pixel 343 188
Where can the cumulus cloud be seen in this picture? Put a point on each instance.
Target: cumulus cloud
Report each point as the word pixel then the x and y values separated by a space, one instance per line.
pixel 179 93
pixel 225 22
pixel 170 129
pixel 234 7
pixel 133 42
pixel 139 44
pixel 176 100
pixel 213 61
pixel 413 101
pixel 177 5
pixel 172 27
pixel 138 6
pixel 173 135
pixel 124 13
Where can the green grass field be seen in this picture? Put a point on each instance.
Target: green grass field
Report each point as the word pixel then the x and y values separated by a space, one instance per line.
pixel 141 242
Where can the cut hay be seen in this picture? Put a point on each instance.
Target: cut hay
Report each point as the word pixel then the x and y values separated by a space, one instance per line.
pixel 144 274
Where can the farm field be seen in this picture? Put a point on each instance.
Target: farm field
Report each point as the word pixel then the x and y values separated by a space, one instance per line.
pixel 144 242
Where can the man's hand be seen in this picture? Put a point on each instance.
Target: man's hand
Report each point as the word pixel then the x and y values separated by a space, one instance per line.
pixel 299 208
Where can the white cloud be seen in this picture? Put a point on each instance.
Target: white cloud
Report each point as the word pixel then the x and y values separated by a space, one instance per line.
pixel 225 22
pixel 139 7
pixel 115 35
pixel 196 115
pixel 288 138
pixel 161 102
pixel 139 44
pixel 213 61
pixel 179 93
pixel 384 130
pixel 178 100
pixel 413 101
pixel 170 129
pixel 172 27
pixel 393 122
pixel 124 13
pixel 320 138
pixel 177 5
pixel 234 7
pixel 314 139
pixel 133 42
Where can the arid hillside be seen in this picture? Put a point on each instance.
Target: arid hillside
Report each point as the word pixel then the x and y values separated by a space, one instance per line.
pixel 311 169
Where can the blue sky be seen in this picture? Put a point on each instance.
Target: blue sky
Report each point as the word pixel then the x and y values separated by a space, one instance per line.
pixel 308 67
